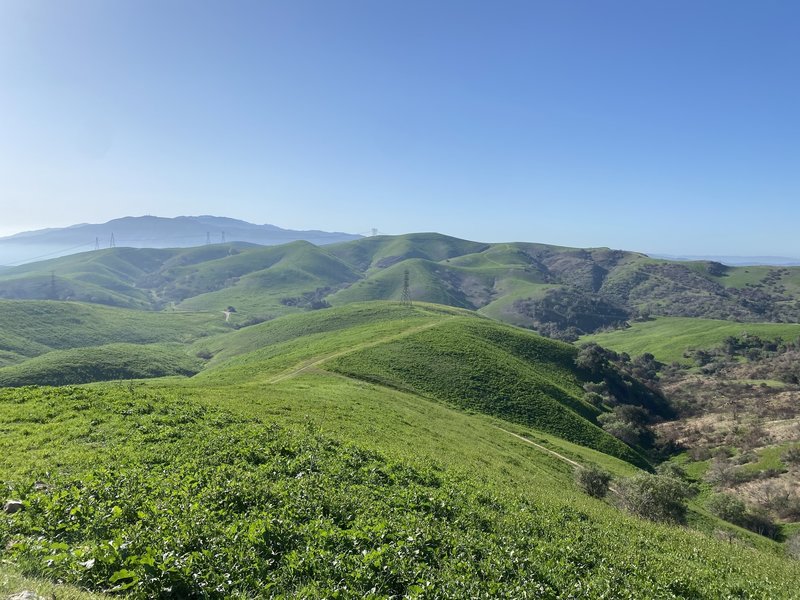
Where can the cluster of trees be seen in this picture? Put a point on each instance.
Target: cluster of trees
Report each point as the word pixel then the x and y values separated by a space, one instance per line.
pixel 662 496
pixel 310 300
pixel 568 313
pixel 629 389
pixel 767 358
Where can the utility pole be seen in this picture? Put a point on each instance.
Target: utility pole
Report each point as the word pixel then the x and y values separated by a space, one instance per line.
pixel 405 299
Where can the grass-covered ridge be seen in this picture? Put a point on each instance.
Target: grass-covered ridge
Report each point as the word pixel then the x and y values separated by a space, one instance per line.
pixel 482 366
pixel 451 355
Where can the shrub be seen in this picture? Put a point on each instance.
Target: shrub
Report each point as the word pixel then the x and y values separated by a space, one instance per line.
pixel 655 497
pixel 793 545
pixel 594 481
pixel 728 508
pixel 792 456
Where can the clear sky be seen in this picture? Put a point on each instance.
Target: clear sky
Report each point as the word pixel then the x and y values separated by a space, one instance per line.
pixel 659 126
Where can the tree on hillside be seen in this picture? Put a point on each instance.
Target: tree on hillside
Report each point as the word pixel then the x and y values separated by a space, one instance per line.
pixel 655 497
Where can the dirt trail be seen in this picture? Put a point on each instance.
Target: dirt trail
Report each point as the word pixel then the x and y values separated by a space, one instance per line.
pixel 561 457
pixel 315 362
pixel 544 449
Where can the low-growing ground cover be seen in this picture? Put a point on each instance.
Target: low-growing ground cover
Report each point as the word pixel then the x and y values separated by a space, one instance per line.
pixel 152 492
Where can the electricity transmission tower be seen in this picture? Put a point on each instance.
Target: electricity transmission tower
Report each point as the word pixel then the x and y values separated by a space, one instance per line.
pixel 53 285
pixel 208 238
pixel 405 299
pixel 113 243
pixel 223 237
pixel 97 243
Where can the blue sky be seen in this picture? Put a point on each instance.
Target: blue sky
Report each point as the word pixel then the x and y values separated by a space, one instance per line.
pixel 666 127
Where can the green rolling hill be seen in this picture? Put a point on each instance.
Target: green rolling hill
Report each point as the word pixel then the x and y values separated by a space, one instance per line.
pixel 449 355
pixel 101 363
pixel 30 328
pixel 370 449
pixel 561 292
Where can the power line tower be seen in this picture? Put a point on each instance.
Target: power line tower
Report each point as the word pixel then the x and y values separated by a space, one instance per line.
pixel 223 237
pixel 405 299
pixel 374 232
pixel 112 243
pixel 97 243
pixel 208 238
pixel 53 285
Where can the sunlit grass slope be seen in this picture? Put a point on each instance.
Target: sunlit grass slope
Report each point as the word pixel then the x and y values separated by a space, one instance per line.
pixel 667 338
pixel 383 251
pixel 101 363
pixel 30 328
pixel 323 486
pixel 453 356
pixel 492 369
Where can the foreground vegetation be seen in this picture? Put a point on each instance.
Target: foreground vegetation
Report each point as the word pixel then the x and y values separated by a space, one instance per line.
pixel 202 501
pixel 374 449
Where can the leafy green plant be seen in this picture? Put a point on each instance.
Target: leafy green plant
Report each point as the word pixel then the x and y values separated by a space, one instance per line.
pixel 594 481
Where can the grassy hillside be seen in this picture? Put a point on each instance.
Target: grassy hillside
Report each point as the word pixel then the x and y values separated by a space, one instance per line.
pixel 383 251
pixel 562 292
pixel 318 486
pixel 497 371
pixel 668 337
pixel 101 363
pixel 30 328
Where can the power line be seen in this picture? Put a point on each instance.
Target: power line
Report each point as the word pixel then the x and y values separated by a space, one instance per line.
pixel 55 253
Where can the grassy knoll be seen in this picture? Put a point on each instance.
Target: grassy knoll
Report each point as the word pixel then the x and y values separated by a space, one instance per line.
pixel 29 328
pixel 502 372
pixel 439 352
pixel 382 251
pixel 101 363
pixel 668 337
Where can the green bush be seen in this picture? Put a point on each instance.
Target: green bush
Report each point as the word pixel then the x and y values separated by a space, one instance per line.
pixel 655 497
pixel 594 481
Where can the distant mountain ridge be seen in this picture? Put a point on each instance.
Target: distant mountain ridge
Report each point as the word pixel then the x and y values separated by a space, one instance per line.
pixel 737 261
pixel 152 232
